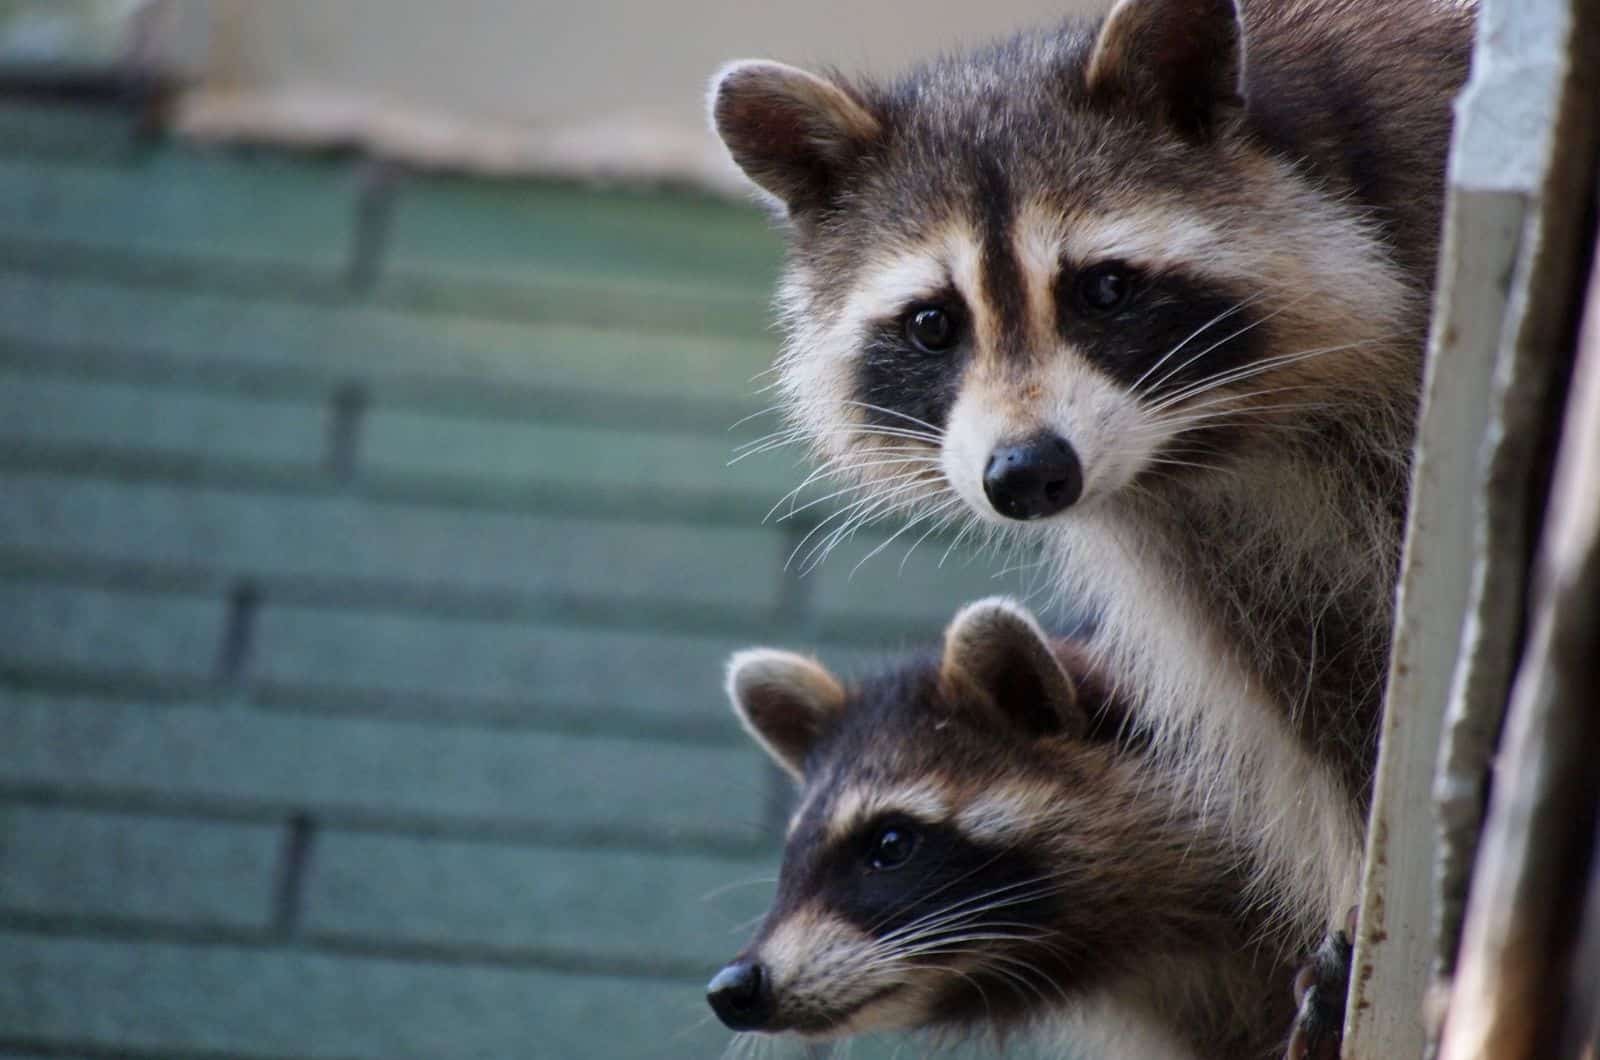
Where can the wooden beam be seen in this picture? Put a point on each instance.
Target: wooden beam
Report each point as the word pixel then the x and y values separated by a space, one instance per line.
pixel 1512 988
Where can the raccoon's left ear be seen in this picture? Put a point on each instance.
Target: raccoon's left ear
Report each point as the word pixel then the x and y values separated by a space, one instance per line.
pixel 786 701
pixel 792 132
pixel 1183 59
pixel 998 650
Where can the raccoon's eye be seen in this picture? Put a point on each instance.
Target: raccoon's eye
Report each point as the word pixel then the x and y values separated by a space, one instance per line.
pixel 1103 288
pixel 891 847
pixel 931 329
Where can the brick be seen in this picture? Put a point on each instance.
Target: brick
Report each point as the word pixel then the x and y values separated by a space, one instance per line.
pixel 108 632
pixel 483 669
pixel 366 769
pixel 477 230
pixel 393 347
pixel 186 206
pixel 96 414
pixel 266 535
pixel 64 863
pixel 70 132
pixel 261 1002
pixel 477 894
pixel 629 463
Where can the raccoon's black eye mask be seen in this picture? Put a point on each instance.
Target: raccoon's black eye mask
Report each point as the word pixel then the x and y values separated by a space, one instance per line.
pixel 1126 321
pixel 912 362
pixel 896 871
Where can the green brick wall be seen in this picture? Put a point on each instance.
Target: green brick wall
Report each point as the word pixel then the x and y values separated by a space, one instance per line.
pixel 368 558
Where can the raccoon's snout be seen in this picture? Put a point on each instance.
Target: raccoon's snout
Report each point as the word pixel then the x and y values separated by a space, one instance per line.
pixel 741 996
pixel 1033 478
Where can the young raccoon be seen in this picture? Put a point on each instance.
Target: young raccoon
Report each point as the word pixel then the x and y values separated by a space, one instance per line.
pixel 982 844
pixel 1156 289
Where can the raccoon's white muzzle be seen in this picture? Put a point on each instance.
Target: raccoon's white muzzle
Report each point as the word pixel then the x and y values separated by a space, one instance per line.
pixel 1030 453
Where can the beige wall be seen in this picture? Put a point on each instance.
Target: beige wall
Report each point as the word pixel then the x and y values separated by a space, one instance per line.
pixel 614 86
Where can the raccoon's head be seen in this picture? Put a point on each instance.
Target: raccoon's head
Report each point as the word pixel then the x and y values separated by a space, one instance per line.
pixel 928 877
pixel 1039 274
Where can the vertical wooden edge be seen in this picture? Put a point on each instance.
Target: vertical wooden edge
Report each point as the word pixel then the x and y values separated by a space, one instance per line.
pixel 1503 303
pixel 1511 991
pixel 1482 244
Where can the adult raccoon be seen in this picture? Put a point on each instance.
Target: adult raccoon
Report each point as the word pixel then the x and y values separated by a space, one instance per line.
pixel 1152 290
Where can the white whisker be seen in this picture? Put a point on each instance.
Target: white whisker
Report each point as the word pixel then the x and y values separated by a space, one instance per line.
pixel 742 420
pixel 892 412
pixel 943 506
pixel 934 529
pixel 1246 372
pixel 1223 341
pixel 858 486
pixel 1225 314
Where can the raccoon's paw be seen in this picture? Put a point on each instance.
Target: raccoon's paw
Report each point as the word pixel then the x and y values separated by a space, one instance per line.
pixel 1320 987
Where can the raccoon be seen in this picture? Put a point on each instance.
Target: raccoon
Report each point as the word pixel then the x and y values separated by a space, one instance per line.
pixel 983 844
pixel 1151 292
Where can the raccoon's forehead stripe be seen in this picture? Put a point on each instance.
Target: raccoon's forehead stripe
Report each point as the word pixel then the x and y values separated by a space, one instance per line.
pixel 1004 290
pixel 924 800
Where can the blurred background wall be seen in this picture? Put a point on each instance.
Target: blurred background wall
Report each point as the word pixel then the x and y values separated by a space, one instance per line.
pixel 578 88
pixel 369 550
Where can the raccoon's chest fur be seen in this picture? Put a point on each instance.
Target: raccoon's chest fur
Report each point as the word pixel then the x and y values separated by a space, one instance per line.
pixel 1299 572
pixel 1248 614
pixel 1214 716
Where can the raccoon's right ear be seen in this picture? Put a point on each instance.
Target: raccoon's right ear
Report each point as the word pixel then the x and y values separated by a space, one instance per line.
pixel 1181 59
pixel 792 132
pixel 786 701
pixel 996 649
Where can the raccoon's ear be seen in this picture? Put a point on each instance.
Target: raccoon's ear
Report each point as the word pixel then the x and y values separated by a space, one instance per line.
pixel 996 648
pixel 792 132
pixel 1183 59
pixel 786 702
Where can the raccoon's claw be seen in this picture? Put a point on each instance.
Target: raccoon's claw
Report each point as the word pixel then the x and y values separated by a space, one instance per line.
pixel 1320 987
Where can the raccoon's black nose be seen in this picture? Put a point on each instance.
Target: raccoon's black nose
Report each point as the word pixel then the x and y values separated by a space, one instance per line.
pixel 1033 478
pixel 740 996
